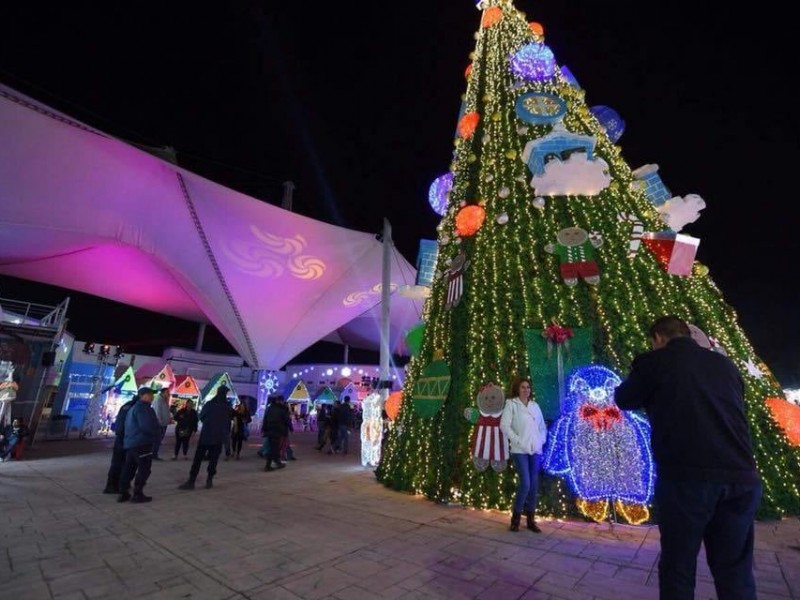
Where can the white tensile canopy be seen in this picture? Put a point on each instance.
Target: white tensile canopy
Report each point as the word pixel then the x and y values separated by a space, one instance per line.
pixel 85 211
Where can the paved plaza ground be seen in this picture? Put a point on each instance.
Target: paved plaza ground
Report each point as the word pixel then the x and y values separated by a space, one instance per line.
pixel 322 528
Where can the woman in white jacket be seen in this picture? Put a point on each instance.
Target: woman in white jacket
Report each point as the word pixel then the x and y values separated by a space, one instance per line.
pixel 524 427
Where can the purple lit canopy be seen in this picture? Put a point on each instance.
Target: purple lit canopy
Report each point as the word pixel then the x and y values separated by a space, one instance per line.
pixel 88 212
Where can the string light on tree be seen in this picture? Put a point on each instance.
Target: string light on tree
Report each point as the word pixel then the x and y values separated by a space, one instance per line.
pixel 497 283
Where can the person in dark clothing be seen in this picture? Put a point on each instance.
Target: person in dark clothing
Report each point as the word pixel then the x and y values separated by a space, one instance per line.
pixel 344 422
pixel 241 428
pixel 185 427
pixel 263 452
pixel 118 453
pixel 216 419
pixel 12 436
pixel 142 430
pixel 332 428
pixel 276 425
pixel 322 426
pixel 708 487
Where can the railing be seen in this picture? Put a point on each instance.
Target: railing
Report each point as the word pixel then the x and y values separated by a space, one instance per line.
pixel 30 313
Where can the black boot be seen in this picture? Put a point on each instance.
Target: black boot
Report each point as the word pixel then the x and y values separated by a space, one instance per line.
pixel 515 519
pixel 112 487
pixel 532 522
pixel 209 483
pixel 139 497
pixel 268 466
pixel 189 485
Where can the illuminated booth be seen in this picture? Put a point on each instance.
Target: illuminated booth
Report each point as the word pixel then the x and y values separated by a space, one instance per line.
pixel 186 388
pixel 122 390
pixel 210 389
pixel 156 376
pixel 297 397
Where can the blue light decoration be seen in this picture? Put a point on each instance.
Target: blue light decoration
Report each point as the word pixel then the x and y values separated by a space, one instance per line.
pixel 571 79
pixel 533 62
pixel 268 381
pixel 603 452
pixel 610 120
pixel 539 108
pixel 437 194
pixel 426 261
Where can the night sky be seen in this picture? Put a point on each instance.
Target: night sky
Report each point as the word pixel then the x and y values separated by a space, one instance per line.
pixel 356 102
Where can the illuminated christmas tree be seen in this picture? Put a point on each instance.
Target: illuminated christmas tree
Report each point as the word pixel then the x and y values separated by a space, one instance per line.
pixel 554 258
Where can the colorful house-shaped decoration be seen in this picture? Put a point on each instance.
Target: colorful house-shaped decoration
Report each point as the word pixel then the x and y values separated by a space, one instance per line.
pixel 210 389
pixel 296 391
pixel 155 375
pixel 351 390
pixel 325 396
pixel 125 383
pixel 186 388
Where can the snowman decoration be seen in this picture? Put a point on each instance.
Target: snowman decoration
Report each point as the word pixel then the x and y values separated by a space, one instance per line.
pixel 455 279
pixel 489 446
pixel 602 451
pixel 576 252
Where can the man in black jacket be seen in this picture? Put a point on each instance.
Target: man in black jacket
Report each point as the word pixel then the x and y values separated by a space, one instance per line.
pixel 118 453
pixel 708 487
pixel 215 417
pixel 276 426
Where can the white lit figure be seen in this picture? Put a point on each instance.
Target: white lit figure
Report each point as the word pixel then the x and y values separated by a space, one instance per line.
pixel 371 430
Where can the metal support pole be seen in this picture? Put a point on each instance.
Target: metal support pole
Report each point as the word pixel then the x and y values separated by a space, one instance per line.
pixel 288 195
pixel 201 334
pixel 385 306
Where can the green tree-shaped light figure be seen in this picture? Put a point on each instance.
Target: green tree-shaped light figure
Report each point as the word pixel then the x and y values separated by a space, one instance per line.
pixel 513 286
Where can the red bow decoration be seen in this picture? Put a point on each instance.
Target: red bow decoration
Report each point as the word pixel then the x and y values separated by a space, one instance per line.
pixel 602 419
pixel 556 333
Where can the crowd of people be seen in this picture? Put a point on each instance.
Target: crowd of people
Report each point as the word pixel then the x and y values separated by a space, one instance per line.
pixel 141 425
pixel 334 425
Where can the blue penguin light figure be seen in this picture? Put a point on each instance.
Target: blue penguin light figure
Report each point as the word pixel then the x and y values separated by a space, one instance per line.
pixel 603 452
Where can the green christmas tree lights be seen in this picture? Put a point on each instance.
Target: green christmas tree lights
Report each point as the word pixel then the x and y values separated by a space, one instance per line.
pixel 514 285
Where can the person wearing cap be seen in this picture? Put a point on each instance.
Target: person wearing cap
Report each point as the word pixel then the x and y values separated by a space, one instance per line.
pixel 141 432
pixel 215 418
pixel 118 453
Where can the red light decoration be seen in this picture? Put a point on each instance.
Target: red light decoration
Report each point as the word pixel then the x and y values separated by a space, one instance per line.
pixel 469 220
pixel 491 16
pixel 788 417
pixel 557 334
pixel 393 403
pixel 468 71
pixel 468 124
pixel 536 28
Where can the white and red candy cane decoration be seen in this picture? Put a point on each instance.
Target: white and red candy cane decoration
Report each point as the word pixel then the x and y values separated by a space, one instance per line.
pixel 637 229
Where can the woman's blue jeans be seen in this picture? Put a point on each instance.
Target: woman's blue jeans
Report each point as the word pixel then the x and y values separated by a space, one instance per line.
pixel 527 466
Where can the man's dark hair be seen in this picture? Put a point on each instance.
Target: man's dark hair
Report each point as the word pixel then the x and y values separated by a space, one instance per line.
pixel 670 327
pixel 347 399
